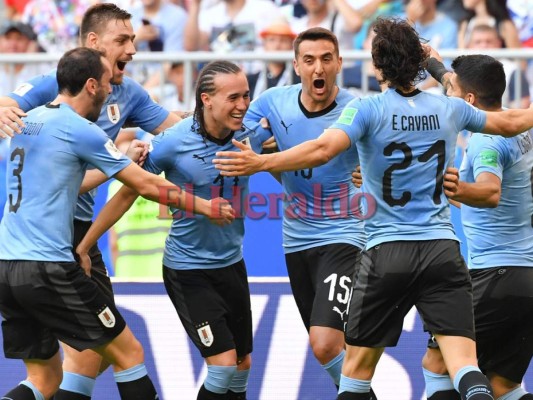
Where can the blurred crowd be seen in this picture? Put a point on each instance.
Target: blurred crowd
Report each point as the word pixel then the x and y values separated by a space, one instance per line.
pixel 223 26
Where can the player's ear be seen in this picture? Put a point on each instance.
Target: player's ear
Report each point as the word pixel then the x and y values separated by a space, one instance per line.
pixel 91 41
pixel 296 67
pixel 470 98
pixel 91 85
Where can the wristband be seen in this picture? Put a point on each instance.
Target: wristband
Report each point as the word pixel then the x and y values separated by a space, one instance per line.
pixel 436 69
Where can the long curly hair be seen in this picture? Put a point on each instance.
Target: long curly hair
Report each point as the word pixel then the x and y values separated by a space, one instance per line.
pixel 398 53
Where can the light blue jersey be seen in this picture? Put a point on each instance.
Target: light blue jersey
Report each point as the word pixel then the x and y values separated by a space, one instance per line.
pixel 319 202
pixel 186 158
pixel 127 102
pixel 46 166
pixel 405 142
pixel 501 236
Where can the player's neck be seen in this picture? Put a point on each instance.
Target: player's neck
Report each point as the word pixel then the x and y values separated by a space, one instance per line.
pixel 313 105
pixel 77 104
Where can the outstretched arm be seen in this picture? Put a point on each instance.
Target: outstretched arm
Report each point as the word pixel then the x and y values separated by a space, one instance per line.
pixel 306 155
pixel 153 187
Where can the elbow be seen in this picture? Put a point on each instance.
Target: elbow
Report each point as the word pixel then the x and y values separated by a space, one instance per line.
pixel 493 201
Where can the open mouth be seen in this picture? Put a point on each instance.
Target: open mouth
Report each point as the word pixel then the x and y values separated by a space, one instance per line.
pixel 319 83
pixel 121 65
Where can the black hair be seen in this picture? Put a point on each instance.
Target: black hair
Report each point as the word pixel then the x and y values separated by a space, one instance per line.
pixel 482 76
pixel 98 16
pixel 398 53
pixel 76 67
pixel 314 34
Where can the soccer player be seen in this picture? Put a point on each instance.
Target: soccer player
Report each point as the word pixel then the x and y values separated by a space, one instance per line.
pixel 495 190
pixel 321 238
pixel 44 294
pixel 203 269
pixel 107 28
pixel 405 139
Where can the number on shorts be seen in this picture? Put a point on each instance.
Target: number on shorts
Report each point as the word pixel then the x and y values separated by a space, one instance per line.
pixel 343 294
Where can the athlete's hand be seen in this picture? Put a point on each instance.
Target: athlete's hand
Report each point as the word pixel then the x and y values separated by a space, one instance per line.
pixel 451 182
pixel 357 177
pixel 10 121
pixel 270 145
pixel 221 212
pixel 137 151
pixel 236 163
pixel 85 262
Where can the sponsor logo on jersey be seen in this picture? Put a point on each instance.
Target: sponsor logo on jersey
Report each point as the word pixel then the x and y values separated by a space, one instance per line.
pixel 112 150
pixel 113 112
pixel 206 335
pixel 107 318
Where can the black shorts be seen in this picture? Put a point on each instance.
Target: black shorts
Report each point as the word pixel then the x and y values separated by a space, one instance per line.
pixel 42 302
pixel 213 306
pixel 98 268
pixel 321 281
pixel 503 310
pixel 393 277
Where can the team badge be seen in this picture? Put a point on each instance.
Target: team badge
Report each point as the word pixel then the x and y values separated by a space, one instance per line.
pixel 206 335
pixel 22 89
pixel 107 318
pixel 113 112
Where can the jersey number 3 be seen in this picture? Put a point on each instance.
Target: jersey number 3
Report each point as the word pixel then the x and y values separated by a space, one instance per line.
pixel 18 152
pixel 437 149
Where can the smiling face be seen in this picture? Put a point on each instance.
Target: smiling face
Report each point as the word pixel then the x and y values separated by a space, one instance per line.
pixel 318 64
pixel 116 42
pixel 225 108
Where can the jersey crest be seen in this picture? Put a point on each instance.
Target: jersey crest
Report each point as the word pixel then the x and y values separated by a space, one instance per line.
pixel 107 317
pixel 206 335
pixel 113 112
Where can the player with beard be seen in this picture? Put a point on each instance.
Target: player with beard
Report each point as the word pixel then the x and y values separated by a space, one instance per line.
pixel 44 294
pixel 107 28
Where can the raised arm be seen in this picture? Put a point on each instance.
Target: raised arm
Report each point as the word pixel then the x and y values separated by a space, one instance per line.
pixel 306 155
pixel 10 117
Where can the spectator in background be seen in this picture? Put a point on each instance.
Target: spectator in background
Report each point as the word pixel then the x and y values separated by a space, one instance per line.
pixel 173 95
pixel 56 22
pixel 17 37
pixel 276 37
pixel 230 25
pixel 373 9
pixel 14 9
pixel 159 26
pixel 353 77
pixel 434 26
pixel 489 12
pixel 486 37
pixel 342 17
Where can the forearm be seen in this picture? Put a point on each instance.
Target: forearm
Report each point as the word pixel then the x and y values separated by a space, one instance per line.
pixel 92 179
pixel 439 72
pixel 191 38
pixel 479 194
pixel 164 192
pixel 108 216
pixel 509 122
pixel 8 102
pixel 309 154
